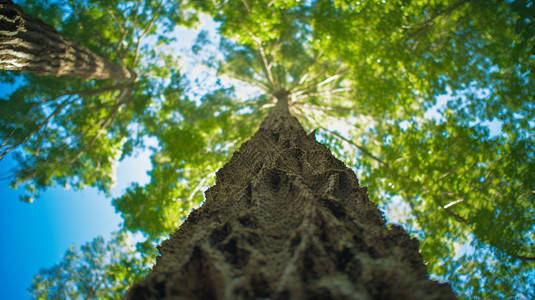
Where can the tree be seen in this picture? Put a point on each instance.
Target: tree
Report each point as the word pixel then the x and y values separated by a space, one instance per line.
pixel 286 220
pixel 380 67
pixel 71 132
pixel 98 270
pixel 28 44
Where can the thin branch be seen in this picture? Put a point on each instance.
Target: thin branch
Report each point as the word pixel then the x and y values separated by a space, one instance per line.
pixel 314 85
pixel 361 148
pixel 447 11
pixel 327 92
pixel 453 203
pixel 247 8
pixel 246 79
pixel 90 294
pixel 5 151
pixel 424 25
pixel 199 186
pixel 116 21
pixel 104 123
pixel 458 218
pixel 85 93
pixel 39 127
pixel 145 32
pixel 338 109
pixel 267 65
pixel 524 258
pixel 304 78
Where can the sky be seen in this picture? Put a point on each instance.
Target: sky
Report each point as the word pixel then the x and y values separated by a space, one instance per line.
pixel 36 235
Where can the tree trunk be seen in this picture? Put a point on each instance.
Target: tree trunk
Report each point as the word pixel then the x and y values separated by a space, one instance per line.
pixel 29 45
pixel 287 220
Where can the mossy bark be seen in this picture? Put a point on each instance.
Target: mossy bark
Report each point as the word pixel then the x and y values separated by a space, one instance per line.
pixel 29 45
pixel 287 220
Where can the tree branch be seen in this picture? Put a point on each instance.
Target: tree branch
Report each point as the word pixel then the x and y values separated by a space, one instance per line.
pixel 267 65
pixel 423 26
pixel 39 127
pixel 145 32
pixel 525 258
pixel 247 8
pixel 103 124
pixel 5 150
pixel 361 148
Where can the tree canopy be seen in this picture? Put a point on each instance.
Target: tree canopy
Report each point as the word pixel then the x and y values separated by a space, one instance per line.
pixel 431 103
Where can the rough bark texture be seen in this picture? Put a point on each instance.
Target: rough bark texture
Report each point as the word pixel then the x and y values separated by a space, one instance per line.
pixel 287 220
pixel 29 45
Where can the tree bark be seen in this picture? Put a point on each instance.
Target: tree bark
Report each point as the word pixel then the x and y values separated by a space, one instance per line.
pixel 287 220
pixel 30 45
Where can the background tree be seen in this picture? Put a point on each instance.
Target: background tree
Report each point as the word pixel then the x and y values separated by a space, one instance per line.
pixel 30 45
pixel 73 131
pixel 98 270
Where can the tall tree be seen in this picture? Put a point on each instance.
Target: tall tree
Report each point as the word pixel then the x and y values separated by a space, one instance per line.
pixel 287 220
pixel 376 69
pixel 30 45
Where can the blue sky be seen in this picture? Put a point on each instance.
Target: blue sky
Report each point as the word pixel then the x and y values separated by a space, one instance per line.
pixel 36 235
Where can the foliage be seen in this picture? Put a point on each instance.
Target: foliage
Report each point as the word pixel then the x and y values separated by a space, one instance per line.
pixel 98 270
pixel 73 132
pixel 431 102
pixel 193 146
